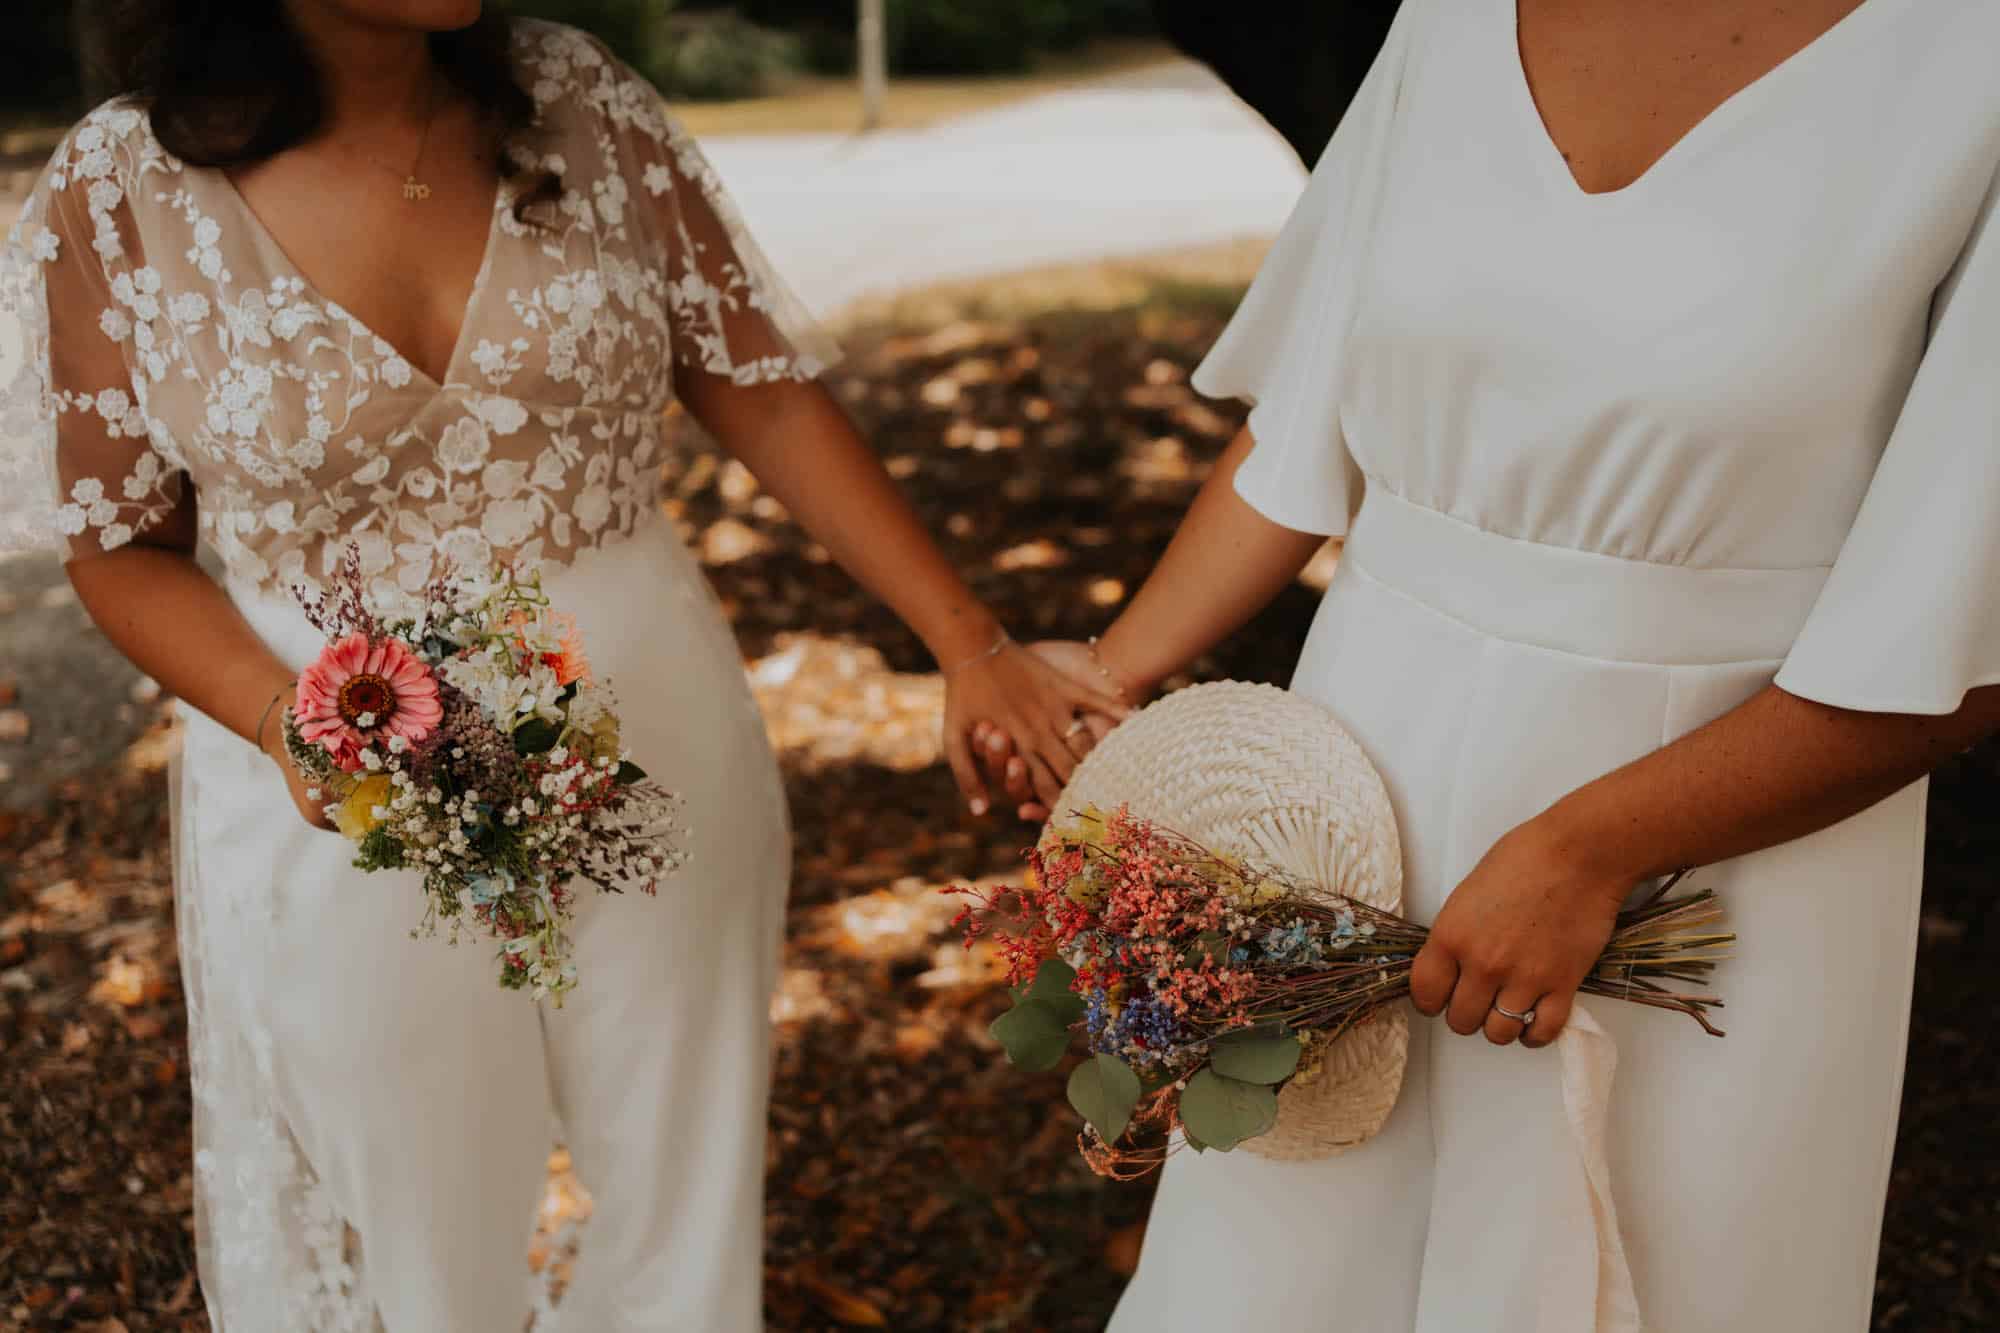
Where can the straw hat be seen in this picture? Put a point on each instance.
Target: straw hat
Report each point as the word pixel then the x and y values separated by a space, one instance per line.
pixel 1271 776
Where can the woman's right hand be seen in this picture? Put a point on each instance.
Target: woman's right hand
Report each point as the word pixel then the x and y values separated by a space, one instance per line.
pixel 311 810
pixel 996 751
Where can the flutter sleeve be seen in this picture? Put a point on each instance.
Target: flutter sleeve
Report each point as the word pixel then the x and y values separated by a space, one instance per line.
pixel 1283 349
pixel 730 312
pixel 1909 619
pixel 79 470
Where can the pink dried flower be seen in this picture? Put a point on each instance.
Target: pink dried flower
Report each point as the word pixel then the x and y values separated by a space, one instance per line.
pixel 359 689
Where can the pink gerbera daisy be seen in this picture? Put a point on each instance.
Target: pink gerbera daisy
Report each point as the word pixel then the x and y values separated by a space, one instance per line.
pixel 359 690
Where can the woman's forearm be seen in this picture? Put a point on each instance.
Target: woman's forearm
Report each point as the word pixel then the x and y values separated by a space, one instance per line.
pixel 166 614
pixel 1776 768
pixel 1224 565
pixel 805 451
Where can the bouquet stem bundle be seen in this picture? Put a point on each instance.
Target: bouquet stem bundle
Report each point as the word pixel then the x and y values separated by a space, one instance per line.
pixel 1203 984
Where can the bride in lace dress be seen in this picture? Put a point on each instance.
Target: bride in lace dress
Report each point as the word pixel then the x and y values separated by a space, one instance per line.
pixel 398 276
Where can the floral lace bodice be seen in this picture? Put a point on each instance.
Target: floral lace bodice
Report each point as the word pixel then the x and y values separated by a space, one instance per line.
pixel 152 333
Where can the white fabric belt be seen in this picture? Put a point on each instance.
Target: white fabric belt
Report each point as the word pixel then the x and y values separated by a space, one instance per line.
pixel 1575 601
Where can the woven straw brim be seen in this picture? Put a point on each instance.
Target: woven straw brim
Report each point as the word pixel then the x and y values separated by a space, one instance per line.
pixel 1272 777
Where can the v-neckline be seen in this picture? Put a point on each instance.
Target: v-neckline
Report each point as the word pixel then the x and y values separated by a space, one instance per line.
pixel 1549 153
pixel 267 240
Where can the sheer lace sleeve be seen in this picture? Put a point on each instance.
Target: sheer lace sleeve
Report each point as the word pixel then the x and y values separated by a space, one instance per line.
pixel 730 313
pixel 79 469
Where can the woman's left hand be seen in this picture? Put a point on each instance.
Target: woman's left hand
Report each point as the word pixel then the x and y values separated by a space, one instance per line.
pixel 1521 932
pixel 1039 708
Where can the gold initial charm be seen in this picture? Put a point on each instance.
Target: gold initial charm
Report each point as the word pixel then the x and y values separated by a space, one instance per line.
pixel 416 189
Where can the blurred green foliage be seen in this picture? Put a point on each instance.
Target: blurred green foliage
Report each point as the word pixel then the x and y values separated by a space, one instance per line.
pixel 696 49
pixel 948 36
pixel 716 56
pixel 694 52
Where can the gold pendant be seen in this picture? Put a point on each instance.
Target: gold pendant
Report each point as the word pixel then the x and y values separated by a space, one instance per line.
pixel 416 189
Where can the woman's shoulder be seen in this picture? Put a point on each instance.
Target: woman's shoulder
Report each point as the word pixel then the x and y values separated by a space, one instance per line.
pixel 570 72
pixel 1928 82
pixel 114 141
pixel 95 171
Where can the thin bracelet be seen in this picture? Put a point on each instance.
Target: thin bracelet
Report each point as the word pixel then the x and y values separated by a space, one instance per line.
pixel 267 712
pixel 1117 685
pixel 999 646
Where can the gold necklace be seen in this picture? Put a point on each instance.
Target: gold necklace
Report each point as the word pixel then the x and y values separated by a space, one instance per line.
pixel 414 190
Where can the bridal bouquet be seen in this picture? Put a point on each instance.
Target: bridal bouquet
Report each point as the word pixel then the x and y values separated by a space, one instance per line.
pixel 470 743
pixel 1203 984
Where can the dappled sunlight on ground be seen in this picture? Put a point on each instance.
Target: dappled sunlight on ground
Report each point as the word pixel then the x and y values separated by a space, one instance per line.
pixel 915 1181
pixel 826 701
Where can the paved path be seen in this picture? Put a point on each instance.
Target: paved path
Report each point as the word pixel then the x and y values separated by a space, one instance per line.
pixel 1160 161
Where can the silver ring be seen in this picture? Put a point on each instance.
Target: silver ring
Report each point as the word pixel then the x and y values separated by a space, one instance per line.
pixel 1074 728
pixel 1525 1020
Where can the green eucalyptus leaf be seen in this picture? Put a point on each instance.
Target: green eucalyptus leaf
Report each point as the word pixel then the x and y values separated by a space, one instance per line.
pixel 1053 973
pixel 1051 987
pixel 629 773
pixel 1034 1034
pixel 1104 1092
pixel 1256 1055
pixel 536 736
pixel 1222 1112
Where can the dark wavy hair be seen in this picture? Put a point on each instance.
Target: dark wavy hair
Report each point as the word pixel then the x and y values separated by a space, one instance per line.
pixel 231 82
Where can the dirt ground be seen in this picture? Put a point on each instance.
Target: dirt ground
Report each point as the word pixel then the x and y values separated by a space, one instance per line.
pixel 915 1181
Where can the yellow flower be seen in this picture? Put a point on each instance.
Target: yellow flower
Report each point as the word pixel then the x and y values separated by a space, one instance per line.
pixel 1086 886
pixel 356 817
pixel 602 741
pixel 1084 826
pixel 1313 1061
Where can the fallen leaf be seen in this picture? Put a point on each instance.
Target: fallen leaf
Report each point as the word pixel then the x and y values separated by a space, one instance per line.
pixel 1121 1249
pixel 120 982
pixel 727 541
pixel 845 1306
pixel 182 1294
pixel 1038 554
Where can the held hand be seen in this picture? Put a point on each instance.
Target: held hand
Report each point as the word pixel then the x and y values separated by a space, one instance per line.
pixel 1519 933
pixel 1037 706
pixel 310 810
pixel 995 748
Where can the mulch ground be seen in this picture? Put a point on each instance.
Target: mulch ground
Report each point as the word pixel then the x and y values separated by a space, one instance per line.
pixel 915 1182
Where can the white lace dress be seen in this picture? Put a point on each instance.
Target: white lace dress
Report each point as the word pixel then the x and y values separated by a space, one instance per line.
pixel 372 1113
